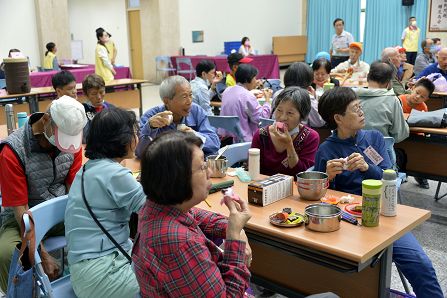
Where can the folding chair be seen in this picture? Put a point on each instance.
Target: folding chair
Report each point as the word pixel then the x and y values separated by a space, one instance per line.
pixel 230 124
pixel 46 215
pixel 181 62
pixel 163 64
pixel 265 121
pixel 236 153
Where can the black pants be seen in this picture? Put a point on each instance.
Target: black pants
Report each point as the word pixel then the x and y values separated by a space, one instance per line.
pixel 336 60
pixel 411 57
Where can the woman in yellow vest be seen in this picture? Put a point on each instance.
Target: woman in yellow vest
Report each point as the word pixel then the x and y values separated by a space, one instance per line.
pixel 103 56
pixel 50 59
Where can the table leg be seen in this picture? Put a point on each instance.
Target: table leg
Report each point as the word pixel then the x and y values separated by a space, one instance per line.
pixel 33 102
pixel 385 272
pixel 141 99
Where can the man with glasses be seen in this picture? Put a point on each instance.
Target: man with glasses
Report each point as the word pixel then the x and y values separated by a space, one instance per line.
pixel 382 109
pixel 425 58
pixel 177 112
pixel 38 162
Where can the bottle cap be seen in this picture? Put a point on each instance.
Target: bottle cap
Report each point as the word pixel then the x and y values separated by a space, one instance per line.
pixel 389 175
pixel 372 184
pixel 254 151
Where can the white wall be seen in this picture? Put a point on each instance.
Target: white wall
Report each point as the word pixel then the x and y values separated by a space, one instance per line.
pixel 18 29
pixel 87 15
pixel 231 20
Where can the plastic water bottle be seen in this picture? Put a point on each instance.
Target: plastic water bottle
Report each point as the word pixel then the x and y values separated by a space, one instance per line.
pixel 21 118
pixel 388 204
pixel 254 155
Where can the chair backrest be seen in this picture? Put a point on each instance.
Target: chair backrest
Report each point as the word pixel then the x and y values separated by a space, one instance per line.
pixel 231 46
pixel 220 88
pixel 46 215
pixel 163 62
pixel 265 121
pixel 229 123
pixel 389 143
pixel 184 61
pixel 2 83
pixel 236 153
pixel 274 84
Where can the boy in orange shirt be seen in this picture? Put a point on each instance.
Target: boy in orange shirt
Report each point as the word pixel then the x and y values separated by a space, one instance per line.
pixel 421 92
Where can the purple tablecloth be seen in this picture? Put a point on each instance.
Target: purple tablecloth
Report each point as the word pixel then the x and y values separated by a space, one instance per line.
pixel 43 79
pixel 267 65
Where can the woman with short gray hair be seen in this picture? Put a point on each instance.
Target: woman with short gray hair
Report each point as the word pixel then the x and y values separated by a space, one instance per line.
pixel 287 146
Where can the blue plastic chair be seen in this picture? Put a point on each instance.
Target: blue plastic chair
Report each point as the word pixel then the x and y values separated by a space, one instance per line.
pixel 189 70
pixel 274 84
pixel 2 83
pixel 163 64
pixel 236 153
pixel 220 88
pixel 230 124
pixel 265 121
pixel 46 215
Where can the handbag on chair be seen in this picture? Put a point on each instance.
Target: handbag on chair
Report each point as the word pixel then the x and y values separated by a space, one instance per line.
pixel 23 280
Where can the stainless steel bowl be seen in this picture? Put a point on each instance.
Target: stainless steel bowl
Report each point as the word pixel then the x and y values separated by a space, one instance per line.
pixel 322 217
pixel 312 185
pixel 218 167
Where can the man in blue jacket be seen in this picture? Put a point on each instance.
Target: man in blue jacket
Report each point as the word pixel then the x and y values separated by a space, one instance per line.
pixel 177 112
pixel 440 67
pixel 351 155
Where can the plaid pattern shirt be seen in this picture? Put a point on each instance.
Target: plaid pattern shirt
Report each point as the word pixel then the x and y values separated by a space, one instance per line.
pixel 175 258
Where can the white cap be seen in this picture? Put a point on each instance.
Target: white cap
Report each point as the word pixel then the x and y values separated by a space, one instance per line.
pixel 69 116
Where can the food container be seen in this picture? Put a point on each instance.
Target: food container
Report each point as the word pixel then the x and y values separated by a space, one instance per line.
pixel 322 217
pixel 312 185
pixel 218 167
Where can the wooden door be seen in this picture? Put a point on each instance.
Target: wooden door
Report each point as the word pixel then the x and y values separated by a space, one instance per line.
pixel 136 54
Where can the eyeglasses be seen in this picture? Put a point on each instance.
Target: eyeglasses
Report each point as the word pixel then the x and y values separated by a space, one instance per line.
pixel 204 167
pixel 357 109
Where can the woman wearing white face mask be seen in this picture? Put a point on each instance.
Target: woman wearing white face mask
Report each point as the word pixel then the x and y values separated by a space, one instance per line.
pixel 287 146
pixel 410 40
pixel 104 56
pixel 246 49
pixel 204 85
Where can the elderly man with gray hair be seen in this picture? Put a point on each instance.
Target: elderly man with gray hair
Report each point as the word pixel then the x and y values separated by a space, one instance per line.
pixel 391 56
pixel 177 112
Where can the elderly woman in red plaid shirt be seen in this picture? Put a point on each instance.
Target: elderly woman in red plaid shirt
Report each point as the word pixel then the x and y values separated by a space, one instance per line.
pixel 174 256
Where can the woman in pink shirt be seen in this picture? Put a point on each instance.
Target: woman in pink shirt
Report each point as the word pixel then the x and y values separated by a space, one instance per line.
pixel 288 146
pixel 239 101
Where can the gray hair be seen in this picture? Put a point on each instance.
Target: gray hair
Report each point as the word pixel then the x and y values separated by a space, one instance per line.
pixel 167 87
pixel 298 96
pixel 387 52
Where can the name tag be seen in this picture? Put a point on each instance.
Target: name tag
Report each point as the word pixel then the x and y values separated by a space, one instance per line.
pixel 372 154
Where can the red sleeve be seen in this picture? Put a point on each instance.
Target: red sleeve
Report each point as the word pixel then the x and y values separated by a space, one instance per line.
pixel 13 183
pixel 77 163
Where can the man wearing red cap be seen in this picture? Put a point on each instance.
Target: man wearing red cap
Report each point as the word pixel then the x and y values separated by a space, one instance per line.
pixel 234 59
pixel 358 68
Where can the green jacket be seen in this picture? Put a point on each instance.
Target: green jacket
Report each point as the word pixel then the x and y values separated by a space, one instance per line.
pixel 383 112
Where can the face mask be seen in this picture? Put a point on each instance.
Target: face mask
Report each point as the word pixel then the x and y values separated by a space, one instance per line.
pixel 51 140
pixel 294 131
pixel 413 23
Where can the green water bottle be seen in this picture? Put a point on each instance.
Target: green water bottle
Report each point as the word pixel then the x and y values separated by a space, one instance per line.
pixel 371 193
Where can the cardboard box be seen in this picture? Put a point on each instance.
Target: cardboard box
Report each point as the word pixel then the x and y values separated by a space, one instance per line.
pixel 270 190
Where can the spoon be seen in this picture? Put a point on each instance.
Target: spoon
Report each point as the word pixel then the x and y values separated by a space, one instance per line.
pixel 221 152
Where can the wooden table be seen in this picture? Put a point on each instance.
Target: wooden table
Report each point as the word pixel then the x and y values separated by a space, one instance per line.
pixel 347 262
pixel 126 96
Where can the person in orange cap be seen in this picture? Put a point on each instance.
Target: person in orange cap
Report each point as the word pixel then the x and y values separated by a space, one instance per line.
pixel 358 68
pixel 406 70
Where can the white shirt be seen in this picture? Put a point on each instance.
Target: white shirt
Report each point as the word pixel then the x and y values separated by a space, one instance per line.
pixel 360 68
pixel 340 42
